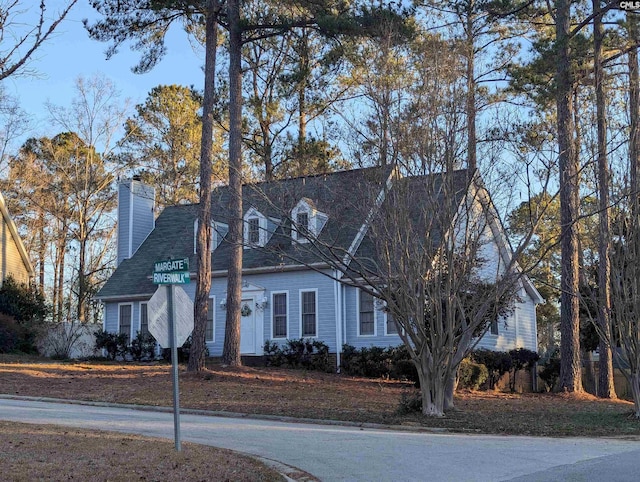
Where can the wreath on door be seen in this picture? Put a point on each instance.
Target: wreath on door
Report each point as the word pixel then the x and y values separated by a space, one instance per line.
pixel 245 311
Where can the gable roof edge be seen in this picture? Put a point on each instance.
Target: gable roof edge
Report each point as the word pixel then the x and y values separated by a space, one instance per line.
pixel 357 240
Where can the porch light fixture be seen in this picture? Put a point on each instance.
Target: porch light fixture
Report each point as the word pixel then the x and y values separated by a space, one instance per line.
pixel 262 304
pixel 223 303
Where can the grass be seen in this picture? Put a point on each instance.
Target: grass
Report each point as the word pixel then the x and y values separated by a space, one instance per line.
pixel 34 452
pixel 298 393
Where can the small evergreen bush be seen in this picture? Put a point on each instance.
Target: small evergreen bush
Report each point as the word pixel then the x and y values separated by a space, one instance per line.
pixel 471 375
pixel 115 344
pixel 143 347
pixel 497 362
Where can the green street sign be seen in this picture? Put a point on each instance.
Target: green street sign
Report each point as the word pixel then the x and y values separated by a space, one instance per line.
pixel 171 265
pixel 171 272
pixel 175 278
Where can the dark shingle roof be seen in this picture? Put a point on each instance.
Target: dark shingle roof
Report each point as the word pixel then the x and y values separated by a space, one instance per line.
pixel 343 196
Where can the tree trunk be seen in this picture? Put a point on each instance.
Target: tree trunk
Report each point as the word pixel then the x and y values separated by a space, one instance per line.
pixel 450 389
pixel 471 94
pixel 203 242
pixel 570 370
pixel 231 350
pixel 634 114
pixel 605 387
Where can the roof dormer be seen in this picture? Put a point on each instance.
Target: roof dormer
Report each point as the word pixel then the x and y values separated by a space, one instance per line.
pixel 218 231
pixel 306 221
pixel 255 233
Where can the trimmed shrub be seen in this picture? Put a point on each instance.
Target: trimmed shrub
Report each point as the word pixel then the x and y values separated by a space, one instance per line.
pixel 183 352
pixel 143 347
pixel 471 375
pixel 550 373
pixel 497 362
pixel 115 344
pixel 521 358
pixel 300 353
pixel 376 362
pixel 410 403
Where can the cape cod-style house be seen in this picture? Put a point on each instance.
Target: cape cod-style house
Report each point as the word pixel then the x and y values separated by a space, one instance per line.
pixel 289 290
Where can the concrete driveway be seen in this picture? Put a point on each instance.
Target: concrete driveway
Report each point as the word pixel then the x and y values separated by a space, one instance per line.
pixel 334 453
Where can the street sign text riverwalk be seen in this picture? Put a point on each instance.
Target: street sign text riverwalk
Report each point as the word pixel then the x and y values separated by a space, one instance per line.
pixel 177 278
pixel 171 272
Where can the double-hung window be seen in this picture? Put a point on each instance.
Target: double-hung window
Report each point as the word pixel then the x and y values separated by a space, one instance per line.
pixel 279 315
pixel 308 310
pixel 253 231
pixel 208 332
pixel 367 314
pixel 144 319
pixel 392 328
pixel 124 320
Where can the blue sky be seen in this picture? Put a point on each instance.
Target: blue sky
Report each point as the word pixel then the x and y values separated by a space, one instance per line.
pixel 71 53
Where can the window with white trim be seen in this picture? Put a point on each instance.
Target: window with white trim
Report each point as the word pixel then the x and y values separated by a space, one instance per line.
pixel 391 328
pixel 307 221
pixel 253 231
pixel 366 315
pixel 124 320
pixel 144 319
pixel 494 327
pixel 279 314
pixel 308 313
pixel 209 329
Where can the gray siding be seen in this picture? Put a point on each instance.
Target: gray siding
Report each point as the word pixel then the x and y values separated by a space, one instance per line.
pixel 136 202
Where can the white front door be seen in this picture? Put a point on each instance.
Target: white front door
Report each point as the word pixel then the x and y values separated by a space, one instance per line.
pixel 248 327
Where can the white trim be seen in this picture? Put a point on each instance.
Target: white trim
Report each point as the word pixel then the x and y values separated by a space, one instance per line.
pixel 385 320
pixel 16 237
pixel 307 290
pixel 272 315
pixel 355 244
pixel 262 228
pixel 375 328
pixel 130 230
pixel 213 321
pixel 130 304
pixel 146 303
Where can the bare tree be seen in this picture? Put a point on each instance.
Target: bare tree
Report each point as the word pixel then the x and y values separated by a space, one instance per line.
pixel 19 39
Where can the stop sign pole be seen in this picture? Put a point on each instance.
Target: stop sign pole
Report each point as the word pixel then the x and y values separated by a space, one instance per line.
pixel 174 369
pixel 170 273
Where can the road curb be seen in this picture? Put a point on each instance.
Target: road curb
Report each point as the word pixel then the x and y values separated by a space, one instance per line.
pixel 251 416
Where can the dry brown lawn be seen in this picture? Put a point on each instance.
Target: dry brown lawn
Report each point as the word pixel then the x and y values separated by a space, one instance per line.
pixel 303 394
pixel 51 453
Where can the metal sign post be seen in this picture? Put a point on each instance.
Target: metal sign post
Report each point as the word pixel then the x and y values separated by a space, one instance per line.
pixel 163 318
pixel 174 368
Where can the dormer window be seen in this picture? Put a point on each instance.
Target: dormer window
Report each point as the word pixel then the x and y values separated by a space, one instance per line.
pixel 307 221
pixel 255 229
pixel 302 222
pixel 218 231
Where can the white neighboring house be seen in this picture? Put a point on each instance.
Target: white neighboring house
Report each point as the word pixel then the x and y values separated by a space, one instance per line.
pixel 14 260
pixel 288 292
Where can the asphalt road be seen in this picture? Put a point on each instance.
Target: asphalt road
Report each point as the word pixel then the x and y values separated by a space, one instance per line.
pixel 338 453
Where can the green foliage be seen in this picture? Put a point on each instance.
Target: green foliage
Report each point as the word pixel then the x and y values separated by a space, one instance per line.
pixel 300 353
pixel 24 303
pixel 183 352
pixel 24 315
pixel 550 373
pixel 471 375
pixel 115 344
pixel 143 347
pixel 520 358
pixel 497 363
pixel 410 403
pixel 376 362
